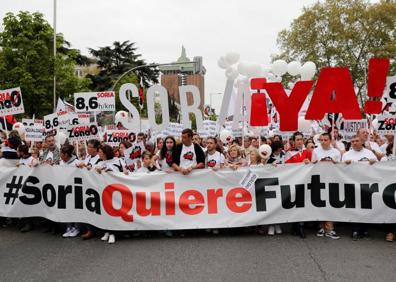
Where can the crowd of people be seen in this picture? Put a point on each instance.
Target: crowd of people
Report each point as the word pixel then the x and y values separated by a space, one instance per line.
pixel 191 152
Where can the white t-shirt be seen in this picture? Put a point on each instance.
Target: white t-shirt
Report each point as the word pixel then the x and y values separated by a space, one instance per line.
pixel 27 161
pixel 49 156
pixel 363 155
pixel 91 161
pixel 375 147
pixel 215 160
pixel 142 169
pixel 383 148
pixel 115 164
pixel 188 157
pixel 321 155
pixel 163 164
pixel 72 162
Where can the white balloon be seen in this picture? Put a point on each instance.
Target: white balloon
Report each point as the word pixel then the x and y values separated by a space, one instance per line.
pixel 222 63
pixel 225 136
pixel 279 67
pixel 231 73
pixel 18 126
pixel 232 58
pixel 243 68
pixel 308 71
pixel 265 151
pixel 121 117
pixel 293 68
pixel 290 85
pixel 254 70
pixel 304 125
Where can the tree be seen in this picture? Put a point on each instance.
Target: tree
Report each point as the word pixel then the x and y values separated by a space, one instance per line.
pixel 342 33
pixel 115 60
pixel 27 61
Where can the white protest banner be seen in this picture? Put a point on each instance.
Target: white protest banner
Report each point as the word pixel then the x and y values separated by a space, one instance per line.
pixel 11 102
pixel 352 126
pixel 56 120
pixel 115 137
pixel 94 101
pixel 82 132
pixel 209 129
pixel 248 179
pixel 386 124
pixel 34 133
pixel 202 199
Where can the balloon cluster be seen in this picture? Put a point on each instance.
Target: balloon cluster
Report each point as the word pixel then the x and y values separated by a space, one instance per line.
pixel 234 67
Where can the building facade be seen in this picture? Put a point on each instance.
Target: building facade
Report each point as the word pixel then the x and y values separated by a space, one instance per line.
pixel 187 73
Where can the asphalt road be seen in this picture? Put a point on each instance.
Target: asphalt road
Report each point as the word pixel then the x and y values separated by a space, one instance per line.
pixel 238 257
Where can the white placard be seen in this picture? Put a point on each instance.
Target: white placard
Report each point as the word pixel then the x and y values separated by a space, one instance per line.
pixel 11 102
pixel 94 101
pixel 82 132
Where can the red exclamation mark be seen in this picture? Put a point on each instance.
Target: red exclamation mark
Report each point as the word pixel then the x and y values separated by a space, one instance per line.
pixel 377 72
pixel 258 113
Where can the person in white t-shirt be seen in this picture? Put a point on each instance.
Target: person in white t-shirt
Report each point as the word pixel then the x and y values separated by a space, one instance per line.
pixel 187 155
pixel 214 159
pixel 109 162
pixel 25 157
pixel 147 162
pixel 389 140
pixel 358 153
pixel 364 134
pixel 92 157
pixel 325 152
pixel 69 159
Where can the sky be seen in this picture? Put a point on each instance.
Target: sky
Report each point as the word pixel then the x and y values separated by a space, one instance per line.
pixel 207 28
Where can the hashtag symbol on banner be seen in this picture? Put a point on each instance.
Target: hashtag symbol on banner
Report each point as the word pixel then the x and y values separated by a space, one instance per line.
pixel 13 190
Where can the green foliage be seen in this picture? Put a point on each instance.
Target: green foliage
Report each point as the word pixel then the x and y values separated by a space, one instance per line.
pixel 26 60
pixel 115 60
pixel 342 33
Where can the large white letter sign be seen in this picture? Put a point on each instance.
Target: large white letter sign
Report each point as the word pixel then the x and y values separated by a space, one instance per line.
pixel 129 106
pixel 194 108
pixel 163 96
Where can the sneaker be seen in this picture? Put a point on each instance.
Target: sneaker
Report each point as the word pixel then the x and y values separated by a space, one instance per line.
pixel 111 239
pixel 105 237
pixel 332 235
pixel 74 232
pixel 271 230
pixel 355 236
pixel 67 233
pixel 278 229
pixel 389 237
pixel 320 233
